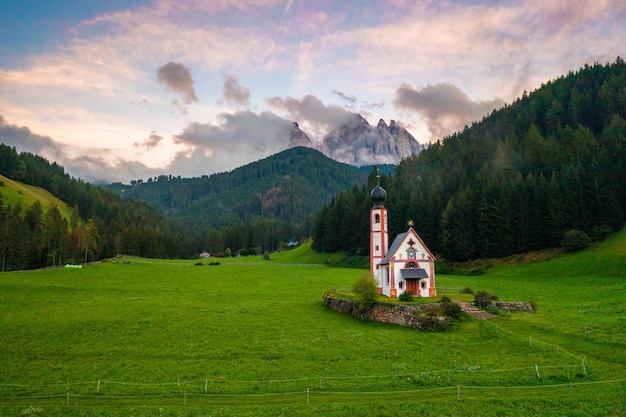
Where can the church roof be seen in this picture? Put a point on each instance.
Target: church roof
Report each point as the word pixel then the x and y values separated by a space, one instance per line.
pixel 393 249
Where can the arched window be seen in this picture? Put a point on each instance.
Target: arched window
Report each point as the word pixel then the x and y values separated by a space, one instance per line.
pixel 410 265
pixel 377 218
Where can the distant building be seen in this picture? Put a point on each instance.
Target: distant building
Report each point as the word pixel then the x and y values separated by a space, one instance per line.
pixel 204 255
pixel 407 264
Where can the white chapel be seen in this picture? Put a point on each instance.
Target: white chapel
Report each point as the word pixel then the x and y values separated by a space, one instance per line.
pixel 407 265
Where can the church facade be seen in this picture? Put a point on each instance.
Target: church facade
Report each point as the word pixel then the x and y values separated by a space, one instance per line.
pixel 406 265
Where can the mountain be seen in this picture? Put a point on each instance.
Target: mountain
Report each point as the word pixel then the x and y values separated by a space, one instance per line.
pixel 359 143
pixel 517 181
pixel 297 137
pixel 289 186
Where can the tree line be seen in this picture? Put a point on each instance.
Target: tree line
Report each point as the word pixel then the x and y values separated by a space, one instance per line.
pixel 516 181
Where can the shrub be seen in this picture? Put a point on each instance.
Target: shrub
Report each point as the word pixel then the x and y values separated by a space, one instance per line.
pixel 533 305
pixel 366 290
pixel 575 240
pixel 466 290
pixel 199 264
pixel 266 255
pixel 450 308
pixel 406 296
pixel 483 299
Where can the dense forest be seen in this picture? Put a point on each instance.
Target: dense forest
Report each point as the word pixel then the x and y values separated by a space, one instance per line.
pixel 102 224
pixel 552 161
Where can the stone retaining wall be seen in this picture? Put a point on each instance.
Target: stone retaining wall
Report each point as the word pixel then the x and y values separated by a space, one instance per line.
pixel 404 314
pixel 400 314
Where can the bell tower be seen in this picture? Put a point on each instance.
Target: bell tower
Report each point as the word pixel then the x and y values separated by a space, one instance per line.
pixel 379 236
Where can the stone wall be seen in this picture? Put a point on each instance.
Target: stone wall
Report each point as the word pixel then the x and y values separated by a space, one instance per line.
pixel 513 306
pixel 400 314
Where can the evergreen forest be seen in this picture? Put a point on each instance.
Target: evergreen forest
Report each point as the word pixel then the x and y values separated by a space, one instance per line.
pixel 517 181
pixel 102 224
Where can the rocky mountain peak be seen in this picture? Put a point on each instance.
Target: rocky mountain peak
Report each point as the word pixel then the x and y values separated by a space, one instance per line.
pixel 356 142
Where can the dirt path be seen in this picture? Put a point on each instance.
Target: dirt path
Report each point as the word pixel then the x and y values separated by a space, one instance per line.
pixel 475 312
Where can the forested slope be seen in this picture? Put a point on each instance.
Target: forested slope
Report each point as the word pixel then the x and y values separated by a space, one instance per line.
pixel 289 186
pixel 102 224
pixel 552 161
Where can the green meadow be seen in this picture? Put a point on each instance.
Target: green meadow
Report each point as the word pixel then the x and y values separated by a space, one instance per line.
pixel 251 337
pixel 14 192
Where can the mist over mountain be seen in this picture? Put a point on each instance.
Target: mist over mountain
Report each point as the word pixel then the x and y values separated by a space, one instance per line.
pixel 359 143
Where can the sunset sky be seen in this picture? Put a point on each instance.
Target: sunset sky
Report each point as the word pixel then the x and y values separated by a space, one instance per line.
pixel 118 90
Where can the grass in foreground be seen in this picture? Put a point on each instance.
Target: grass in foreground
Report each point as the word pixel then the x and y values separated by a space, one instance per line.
pixel 255 335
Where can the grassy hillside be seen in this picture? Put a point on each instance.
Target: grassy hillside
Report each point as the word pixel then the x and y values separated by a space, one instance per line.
pixel 251 337
pixel 13 192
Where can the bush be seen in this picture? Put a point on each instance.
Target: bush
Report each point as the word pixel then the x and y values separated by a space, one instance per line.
pixel 466 290
pixel 366 289
pixel 450 308
pixel 483 299
pixel 406 296
pixel 575 240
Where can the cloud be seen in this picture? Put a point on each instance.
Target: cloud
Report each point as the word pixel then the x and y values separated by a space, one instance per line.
pixel 349 98
pixel 446 107
pixel 234 93
pixel 177 78
pixel 243 131
pixel 24 140
pixel 150 142
pixel 92 165
pixel 313 116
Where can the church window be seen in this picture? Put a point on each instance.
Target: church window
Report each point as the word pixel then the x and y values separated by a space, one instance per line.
pixel 423 285
pixel 377 218
pixel 410 265
pixel 410 253
pixel 401 285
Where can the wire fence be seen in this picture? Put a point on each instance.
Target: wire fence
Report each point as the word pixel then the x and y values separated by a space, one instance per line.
pixel 221 387
pixel 566 377
pixel 573 390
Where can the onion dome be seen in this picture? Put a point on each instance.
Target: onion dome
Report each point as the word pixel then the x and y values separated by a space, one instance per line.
pixel 378 194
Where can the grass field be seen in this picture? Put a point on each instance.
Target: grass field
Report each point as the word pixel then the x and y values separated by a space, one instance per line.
pixel 251 337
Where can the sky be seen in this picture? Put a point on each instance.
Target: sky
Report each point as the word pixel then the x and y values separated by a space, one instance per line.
pixel 116 90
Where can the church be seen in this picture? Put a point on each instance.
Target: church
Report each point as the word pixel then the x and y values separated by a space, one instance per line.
pixel 406 265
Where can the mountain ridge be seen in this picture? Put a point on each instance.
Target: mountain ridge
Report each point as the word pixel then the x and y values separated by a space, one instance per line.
pixel 288 186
